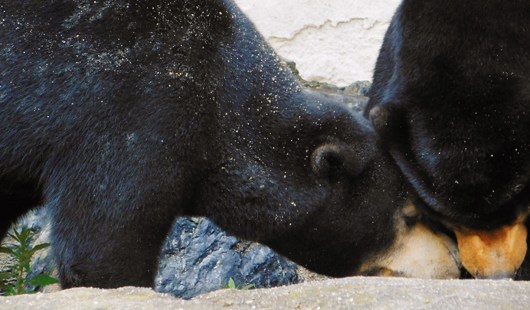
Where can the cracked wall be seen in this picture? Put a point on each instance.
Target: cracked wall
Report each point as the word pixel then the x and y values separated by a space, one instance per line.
pixel 333 41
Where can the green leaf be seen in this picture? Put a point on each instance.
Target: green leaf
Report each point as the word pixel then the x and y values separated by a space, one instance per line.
pixel 23 253
pixel 13 267
pixel 232 284
pixel 14 252
pixel 10 290
pixel 6 275
pixel 6 250
pixel 246 287
pixel 19 236
pixel 37 248
pixel 25 263
pixel 13 236
pixel 42 280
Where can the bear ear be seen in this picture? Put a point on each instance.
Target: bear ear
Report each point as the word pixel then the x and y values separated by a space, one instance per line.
pixel 390 123
pixel 379 118
pixel 333 160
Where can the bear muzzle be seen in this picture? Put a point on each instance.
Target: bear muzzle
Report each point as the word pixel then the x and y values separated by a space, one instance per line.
pixel 493 254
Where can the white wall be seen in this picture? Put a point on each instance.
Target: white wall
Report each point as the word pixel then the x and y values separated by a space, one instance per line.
pixel 333 41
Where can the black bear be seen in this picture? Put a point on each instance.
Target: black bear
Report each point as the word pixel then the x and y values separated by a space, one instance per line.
pixel 451 103
pixel 122 115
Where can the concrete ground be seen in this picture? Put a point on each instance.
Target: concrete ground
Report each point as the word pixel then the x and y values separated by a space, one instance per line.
pixel 349 293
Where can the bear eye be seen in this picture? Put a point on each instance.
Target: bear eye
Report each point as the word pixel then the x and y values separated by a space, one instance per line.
pixel 411 219
pixel 411 215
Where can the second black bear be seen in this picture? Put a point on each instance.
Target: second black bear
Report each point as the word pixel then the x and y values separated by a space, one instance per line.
pixel 451 102
pixel 122 115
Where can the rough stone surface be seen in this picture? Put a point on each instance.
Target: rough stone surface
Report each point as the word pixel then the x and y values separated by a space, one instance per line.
pixel 198 257
pixel 349 293
pixel 353 95
pixel 333 41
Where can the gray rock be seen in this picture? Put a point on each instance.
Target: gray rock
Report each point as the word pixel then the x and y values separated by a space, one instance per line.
pixel 198 257
pixel 353 95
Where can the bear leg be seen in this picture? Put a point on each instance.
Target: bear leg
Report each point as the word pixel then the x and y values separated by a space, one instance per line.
pixel 108 252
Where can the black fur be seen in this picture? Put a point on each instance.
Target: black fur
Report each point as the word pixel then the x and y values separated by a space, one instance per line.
pixel 122 115
pixel 451 102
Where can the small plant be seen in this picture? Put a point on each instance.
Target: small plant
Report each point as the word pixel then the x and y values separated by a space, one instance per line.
pixel 23 253
pixel 232 284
